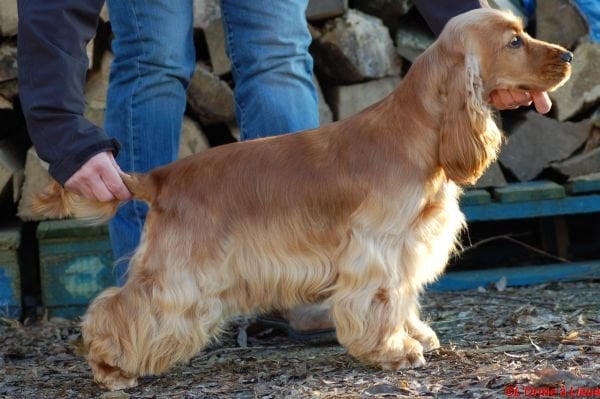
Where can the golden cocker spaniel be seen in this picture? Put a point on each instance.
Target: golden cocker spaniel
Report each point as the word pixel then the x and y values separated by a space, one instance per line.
pixel 361 213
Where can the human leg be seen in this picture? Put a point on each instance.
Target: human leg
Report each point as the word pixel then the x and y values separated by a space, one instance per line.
pixel 154 61
pixel 268 46
pixel 274 89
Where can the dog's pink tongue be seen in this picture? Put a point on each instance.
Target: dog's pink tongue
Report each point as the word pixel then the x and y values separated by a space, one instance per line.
pixel 541 101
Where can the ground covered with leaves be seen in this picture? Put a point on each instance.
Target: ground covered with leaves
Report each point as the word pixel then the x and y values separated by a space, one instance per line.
pixel 539 341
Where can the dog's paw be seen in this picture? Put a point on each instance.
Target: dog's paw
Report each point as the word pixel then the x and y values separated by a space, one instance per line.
pixel 424 334
pixel 430 342
pixel 119 384
pixel 112 378
pixel 410 360
pixel 408 354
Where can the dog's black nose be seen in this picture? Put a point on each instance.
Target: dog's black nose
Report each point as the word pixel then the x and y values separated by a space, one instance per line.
pixel 567 56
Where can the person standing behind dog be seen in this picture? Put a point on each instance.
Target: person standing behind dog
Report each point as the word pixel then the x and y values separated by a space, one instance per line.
pixel 154 60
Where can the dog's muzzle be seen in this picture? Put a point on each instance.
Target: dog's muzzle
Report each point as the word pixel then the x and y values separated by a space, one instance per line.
pixel 566 56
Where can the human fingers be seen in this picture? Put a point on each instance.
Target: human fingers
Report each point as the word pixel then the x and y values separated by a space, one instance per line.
pixel 89 186
pixel 509 99
pixel 89 182
pixel 113 181
pixel 100 190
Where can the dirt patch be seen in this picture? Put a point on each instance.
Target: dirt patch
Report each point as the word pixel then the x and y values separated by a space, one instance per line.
pixel 530 341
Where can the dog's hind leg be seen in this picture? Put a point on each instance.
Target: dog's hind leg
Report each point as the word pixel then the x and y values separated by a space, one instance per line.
pixel 148 326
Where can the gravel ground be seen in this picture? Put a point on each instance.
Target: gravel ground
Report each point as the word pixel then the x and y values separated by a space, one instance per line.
pixel 538 341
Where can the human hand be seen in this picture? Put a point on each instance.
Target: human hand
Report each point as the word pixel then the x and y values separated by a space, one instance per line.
pixel 512 99
pixel 98 179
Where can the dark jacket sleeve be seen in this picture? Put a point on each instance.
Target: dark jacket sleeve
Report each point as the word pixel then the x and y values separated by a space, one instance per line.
pixel 53 64
pixel 438 12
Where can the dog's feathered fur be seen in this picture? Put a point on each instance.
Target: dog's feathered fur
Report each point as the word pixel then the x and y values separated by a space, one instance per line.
pixel 361 213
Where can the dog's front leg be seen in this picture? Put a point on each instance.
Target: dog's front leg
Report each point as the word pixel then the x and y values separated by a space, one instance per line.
pixel 371 306
pixel 420 331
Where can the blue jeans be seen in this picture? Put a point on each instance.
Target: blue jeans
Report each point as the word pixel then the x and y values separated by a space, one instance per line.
pixel 154 60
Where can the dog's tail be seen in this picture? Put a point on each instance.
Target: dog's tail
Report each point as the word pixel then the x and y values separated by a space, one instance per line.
pixel 57 203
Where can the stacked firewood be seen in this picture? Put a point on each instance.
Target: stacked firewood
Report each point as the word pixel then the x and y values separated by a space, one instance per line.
pixel 361 50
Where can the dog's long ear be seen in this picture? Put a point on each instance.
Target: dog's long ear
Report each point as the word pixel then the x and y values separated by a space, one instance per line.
pixel 469 138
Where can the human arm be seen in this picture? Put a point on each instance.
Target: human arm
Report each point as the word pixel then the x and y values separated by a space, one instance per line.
pixel 53 63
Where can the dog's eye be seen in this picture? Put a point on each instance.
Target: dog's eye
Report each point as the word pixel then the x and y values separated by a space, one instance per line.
pixel 515 42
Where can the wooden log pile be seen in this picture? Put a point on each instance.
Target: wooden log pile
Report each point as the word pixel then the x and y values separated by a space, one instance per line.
pixel 361 50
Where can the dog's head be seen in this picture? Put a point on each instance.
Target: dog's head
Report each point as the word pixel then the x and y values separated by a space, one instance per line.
pixel 481 51
pixel 495 43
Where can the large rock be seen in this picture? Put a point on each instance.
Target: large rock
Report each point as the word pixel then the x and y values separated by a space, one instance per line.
pixel 325 113
pixel 89 51
pixel 347 100
pixel 582 91
pixel 538 141
pixel 104 14
pixel 36 179
pixel 10 163
pixel 559 21
pixel 5 104
pixel 583 164
pixel 511 5
pixel 95 91
pixel 192 140
pixel 355 47
pixel 9 89
pixel 493 177
pixel 389 11
pixel 215 40
pixel 412 39
pixel 206 11
pixel 395 8
pixel 8 61
pixel 8 17
pixel 593 140
pixel 210 97
pixel 318 10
